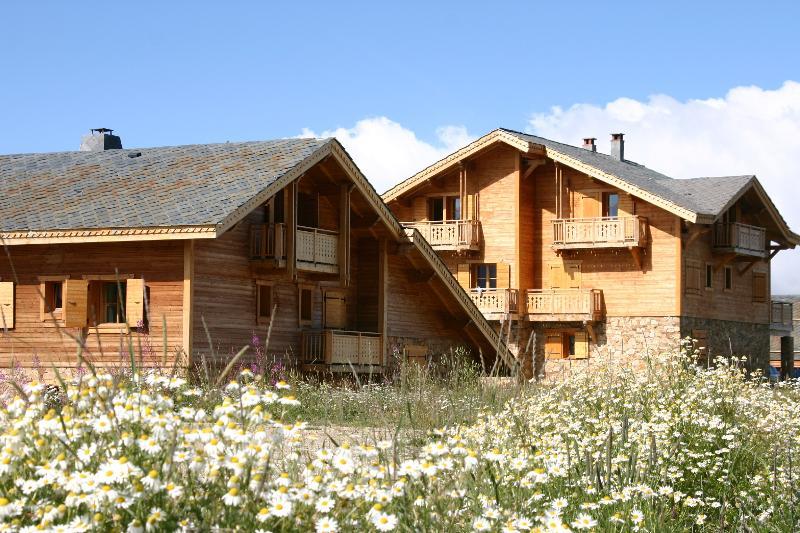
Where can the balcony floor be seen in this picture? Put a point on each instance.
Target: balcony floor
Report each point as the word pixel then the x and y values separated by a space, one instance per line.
pixel 317 267
pixel 322 368
pixel 564 317
pixel 741 251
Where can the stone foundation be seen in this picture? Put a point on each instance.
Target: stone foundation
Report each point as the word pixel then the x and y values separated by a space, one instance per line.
pixel 726 338
pixel 627 339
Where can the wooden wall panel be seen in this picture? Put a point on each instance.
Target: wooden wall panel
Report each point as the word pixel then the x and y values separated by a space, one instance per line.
pixel 33 342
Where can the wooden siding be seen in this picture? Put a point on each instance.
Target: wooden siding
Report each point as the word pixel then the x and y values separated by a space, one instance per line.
pixel 35 342
pixel 736 304
pixel 627 290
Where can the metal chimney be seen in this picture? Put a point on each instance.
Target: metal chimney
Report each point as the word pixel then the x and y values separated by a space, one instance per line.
pixel 618 146
pixel 100 139
pixel 588 143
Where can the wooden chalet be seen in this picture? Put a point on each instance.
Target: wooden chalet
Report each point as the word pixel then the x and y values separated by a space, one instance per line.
pixel 582 253
pixel 196 250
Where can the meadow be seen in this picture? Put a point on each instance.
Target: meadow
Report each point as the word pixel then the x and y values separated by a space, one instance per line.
pixel 670 447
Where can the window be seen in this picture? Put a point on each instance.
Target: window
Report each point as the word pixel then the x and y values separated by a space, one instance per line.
pixel 108 298
pixel 728 278
pixel 566 344
pixel 263 302
pixel 759 287
pixel 570 344
pixel 486 276
pixel 305 305
pixel 308 210
pixel 610 204
pixel 53 294
pixel 453 208
pixel 436 209
pixel 709 276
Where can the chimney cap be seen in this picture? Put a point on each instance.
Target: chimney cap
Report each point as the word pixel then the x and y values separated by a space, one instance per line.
pixel 102 130
pixel 617 136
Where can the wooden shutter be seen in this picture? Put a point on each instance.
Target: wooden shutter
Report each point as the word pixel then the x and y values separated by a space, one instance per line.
pixel 553 346
pixel 335 310
pixel 420 208
pixel 556 275
pixel 6 304
pixel 759 287
pixel 134 302
pixel 572 275
pixel 462 275
pixel 503 276
pixel 581 345
pixel 693 277
pixel 75 297
pixel 590 205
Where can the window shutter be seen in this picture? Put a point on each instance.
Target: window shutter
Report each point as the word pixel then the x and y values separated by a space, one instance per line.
pixel 553 346
pixel 555 275
pixel 420 208
pixel 6 304
pixel 134 302
pixel 581 345
pixel 335 311
pixel 503 276
pixel 463 275
pixel 759 287
pixel 75 298
pixel 693 277
pixel 572 274
pixel 590 205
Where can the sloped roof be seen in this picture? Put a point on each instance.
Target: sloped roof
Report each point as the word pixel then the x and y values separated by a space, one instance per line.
pixel 696 200
pixel 143 187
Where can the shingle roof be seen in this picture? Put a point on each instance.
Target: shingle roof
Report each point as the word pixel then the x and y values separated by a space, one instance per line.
pixel 705 196
pixel 169 186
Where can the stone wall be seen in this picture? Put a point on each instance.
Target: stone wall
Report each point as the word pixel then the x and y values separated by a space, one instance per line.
pixel 726 338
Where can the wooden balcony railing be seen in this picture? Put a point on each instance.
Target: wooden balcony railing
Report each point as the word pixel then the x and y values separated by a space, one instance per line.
pixel 564 304
pixel 781 317
pixel 741 238
pixel 449 234
pixel 599 232
pixel 333 347
pixel 267 241
pixel 317 249
pixel 496 302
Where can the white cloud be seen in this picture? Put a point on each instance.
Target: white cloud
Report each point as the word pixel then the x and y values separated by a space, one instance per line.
pixel 748 131
pixel 388 153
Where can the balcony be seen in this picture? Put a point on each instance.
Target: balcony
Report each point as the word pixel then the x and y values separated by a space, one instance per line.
pixel 449 234
pixel 781 321
pixel 599 232
pixel 496 303
pixel 564 305
pixel 268 243
pixel 317 250
pixel 740 239
pixel 341 351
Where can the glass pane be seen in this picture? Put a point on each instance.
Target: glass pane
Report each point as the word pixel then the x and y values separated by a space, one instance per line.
pixel 571 343
pixel 456 213
pixel 612 205
pixel 57 302
pixel 264 300
pixel 492 276
pixel 437 208
pixel 482 281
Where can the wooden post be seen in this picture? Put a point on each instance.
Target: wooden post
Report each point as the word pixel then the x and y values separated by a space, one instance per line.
pixel 383 284
pixel 290 204
pixel 188 300
pixel 787 357
pixel 344 234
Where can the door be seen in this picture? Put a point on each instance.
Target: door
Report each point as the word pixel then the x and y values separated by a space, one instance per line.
pixel 335 310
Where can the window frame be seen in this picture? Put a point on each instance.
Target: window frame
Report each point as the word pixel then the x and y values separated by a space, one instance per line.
pixel 300 289
pixel 259 286
pixel 55 316
pixel 606 204
pixel 728 279
pixel 488 277
pixel 96 298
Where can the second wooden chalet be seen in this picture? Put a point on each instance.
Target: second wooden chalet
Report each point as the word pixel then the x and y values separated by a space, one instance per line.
pixel 198 249
pixel 588 253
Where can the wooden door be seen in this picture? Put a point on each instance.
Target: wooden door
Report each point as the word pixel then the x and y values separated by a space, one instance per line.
pixel 335 310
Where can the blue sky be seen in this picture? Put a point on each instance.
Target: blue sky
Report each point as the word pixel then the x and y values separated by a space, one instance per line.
pixel 701 88
pixel 183 72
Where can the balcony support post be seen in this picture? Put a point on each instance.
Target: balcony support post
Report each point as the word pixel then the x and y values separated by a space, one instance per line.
pixel 383 291
pixel 290 201
pixel 344 235
pixel 787 357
